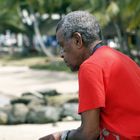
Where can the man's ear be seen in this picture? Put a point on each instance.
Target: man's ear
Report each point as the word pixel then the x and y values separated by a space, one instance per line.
pixel 78 39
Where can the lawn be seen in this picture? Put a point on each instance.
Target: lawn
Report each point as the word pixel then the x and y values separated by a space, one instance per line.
pixel 34 62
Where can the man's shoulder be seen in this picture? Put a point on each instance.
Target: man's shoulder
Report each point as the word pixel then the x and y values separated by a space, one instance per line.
pixel 101 55
pixel 103 58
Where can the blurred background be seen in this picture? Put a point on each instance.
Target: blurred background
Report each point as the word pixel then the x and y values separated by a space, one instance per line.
pixel 37 91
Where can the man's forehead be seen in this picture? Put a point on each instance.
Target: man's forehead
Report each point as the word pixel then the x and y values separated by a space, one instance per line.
pixel 59 36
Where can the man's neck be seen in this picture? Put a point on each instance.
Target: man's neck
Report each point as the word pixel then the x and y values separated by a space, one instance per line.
pixel 94 45
pixel 89 51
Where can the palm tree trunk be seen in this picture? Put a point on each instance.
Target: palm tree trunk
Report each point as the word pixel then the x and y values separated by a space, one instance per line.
pixel 43 47
pixel 37 32
pixel 118 33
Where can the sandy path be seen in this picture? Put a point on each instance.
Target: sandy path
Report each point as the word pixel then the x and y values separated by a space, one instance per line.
pixel 33 132
pixel 16 80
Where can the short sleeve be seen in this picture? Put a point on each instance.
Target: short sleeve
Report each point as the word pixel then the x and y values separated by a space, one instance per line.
pixel 91 87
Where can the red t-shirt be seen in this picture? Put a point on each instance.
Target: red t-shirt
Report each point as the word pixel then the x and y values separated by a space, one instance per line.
pixel 110 80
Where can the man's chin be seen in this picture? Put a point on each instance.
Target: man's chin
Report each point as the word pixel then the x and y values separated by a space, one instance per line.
pixel 74 69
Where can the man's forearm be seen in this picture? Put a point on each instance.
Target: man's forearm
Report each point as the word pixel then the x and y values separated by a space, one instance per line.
pixel 79 134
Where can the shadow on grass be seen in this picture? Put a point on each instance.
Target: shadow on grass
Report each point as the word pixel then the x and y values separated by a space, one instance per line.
pixel 55 65
pixel 34 62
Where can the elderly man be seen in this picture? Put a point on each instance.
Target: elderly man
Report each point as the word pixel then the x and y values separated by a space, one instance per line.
pixel 109 83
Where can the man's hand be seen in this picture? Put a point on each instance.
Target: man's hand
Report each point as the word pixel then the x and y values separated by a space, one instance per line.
pixel 55 136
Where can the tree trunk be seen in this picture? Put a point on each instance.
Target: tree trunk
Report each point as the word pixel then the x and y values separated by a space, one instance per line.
pixel 138 39
pixel 37 32
pixel 118 34
pixel 43 47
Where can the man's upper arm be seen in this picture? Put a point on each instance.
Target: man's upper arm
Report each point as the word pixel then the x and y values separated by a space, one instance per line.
pixel 91 88
pixel 89 129
pixel 90 122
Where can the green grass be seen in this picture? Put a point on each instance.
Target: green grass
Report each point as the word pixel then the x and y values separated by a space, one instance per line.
pixel 34 62
pixel 55 65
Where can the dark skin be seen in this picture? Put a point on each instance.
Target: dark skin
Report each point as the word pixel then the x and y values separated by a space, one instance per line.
pixel 74 53
pixel 89 129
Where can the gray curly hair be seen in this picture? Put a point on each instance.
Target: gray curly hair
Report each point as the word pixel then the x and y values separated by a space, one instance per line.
pixel 82 22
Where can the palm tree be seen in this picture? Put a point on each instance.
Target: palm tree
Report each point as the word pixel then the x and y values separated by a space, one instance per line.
pixel 11 16
pixel 119 13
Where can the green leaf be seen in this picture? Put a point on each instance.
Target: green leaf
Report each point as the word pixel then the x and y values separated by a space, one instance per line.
pixel 113 9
